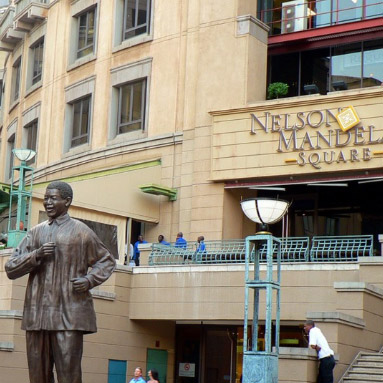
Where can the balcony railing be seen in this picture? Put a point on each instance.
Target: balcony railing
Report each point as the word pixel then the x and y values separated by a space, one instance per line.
pixel 21 5
pixel 293 249
pixel 300 15
pixel 6 22
pixel 29 12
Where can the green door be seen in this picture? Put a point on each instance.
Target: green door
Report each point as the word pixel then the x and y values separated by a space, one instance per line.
pixel 157 360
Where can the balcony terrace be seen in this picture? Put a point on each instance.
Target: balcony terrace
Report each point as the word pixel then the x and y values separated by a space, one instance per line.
pixel 294 249
pixel 8 35
pixel 301 15
pixel 29 12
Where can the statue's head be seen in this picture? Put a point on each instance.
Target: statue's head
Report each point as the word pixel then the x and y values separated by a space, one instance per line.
pixel 57 199
pixel 64 189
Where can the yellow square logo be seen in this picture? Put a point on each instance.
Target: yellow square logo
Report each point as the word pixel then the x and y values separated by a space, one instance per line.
pixel 347 118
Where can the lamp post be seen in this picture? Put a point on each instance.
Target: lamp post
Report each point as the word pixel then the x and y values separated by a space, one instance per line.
pixel 23 197
pixel 261 366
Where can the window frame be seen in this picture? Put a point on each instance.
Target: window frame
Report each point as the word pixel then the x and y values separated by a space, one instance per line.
pixel 80 102
pixel 74 93
pixel 78 9
pixel 16 81
pixel 10 144
pixel 119 40
pixel 146 25
pixel 86 13
pixel 121 76
pixel 141 120
pixel 37 44
pixel 33 126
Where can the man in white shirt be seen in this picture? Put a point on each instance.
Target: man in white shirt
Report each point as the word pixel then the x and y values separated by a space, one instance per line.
pixel 318 342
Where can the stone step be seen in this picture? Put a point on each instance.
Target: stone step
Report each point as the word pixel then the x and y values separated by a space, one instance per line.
pixel 368 355
pixel 365 363
pixel 364 377
pixel 364 370
pixel 352 380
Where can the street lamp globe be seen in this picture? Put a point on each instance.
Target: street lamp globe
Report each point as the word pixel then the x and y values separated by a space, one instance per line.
pixel 264 211
pixel 24 154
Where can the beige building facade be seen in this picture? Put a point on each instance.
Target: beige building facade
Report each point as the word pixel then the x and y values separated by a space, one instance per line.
pixel 156 112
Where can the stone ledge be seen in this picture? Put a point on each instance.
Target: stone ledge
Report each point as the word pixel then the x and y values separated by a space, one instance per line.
pixel 359 287
pixel 303 353
pixel 336 317
pixel 11 314
pixel 99 294
pixel 7 346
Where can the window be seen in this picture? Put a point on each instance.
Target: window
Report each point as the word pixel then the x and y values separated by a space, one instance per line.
pixel 348 66
pixel 31 138
pixel 16 73
pixel 78 116
pixel 83 32
pixel 81 121
pixel 136 18
pixel 130 100
pixel 293 16
pixel 86 33
pixel 131 106
pixel 11 146
pixel 37 53
pixel 1 93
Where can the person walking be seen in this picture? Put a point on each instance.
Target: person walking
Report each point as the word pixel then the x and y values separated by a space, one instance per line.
pixel 318 342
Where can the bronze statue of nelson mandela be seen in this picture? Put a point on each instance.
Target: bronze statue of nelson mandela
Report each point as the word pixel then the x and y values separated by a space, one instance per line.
pixel 64 260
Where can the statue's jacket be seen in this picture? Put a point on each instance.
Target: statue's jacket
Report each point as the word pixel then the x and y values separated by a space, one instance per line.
pixel 51 303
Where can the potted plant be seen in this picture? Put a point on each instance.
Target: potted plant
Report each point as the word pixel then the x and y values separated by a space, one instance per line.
pixel 277 89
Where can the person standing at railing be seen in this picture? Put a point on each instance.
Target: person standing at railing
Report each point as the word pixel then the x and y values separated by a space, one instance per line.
pixel 136 251
pixel 161 240
pixel 181 241
pixel 201 247
pixel 318 342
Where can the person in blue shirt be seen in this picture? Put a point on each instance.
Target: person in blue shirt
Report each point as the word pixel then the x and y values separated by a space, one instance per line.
pixel 138 373
pixel 201 248
pixel 180 241
pixel 161 240
pixel 136 252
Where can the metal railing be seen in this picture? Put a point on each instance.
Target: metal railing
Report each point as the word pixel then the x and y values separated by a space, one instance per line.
pixel 345 248
pixel 293 249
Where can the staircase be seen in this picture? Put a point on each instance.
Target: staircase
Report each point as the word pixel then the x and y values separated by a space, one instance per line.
pixel 367 367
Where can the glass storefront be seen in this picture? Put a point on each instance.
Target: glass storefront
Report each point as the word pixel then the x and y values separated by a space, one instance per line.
pixel 298 15
pixel 214 353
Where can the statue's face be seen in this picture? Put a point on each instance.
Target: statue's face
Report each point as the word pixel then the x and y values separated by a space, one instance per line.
pixel 54 204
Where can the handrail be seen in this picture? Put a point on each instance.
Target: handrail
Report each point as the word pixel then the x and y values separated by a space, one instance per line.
pixel 340 248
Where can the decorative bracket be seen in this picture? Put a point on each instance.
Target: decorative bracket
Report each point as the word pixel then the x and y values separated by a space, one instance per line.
pixel 160 190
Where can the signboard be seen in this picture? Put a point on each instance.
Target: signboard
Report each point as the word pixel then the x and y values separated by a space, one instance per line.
pixel 293 138
pixel 187 369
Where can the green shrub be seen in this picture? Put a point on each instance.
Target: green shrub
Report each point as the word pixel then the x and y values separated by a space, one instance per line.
pixel 277 89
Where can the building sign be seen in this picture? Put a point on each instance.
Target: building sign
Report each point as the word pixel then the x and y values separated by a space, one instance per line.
pixel 187 369
pixel 319 137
